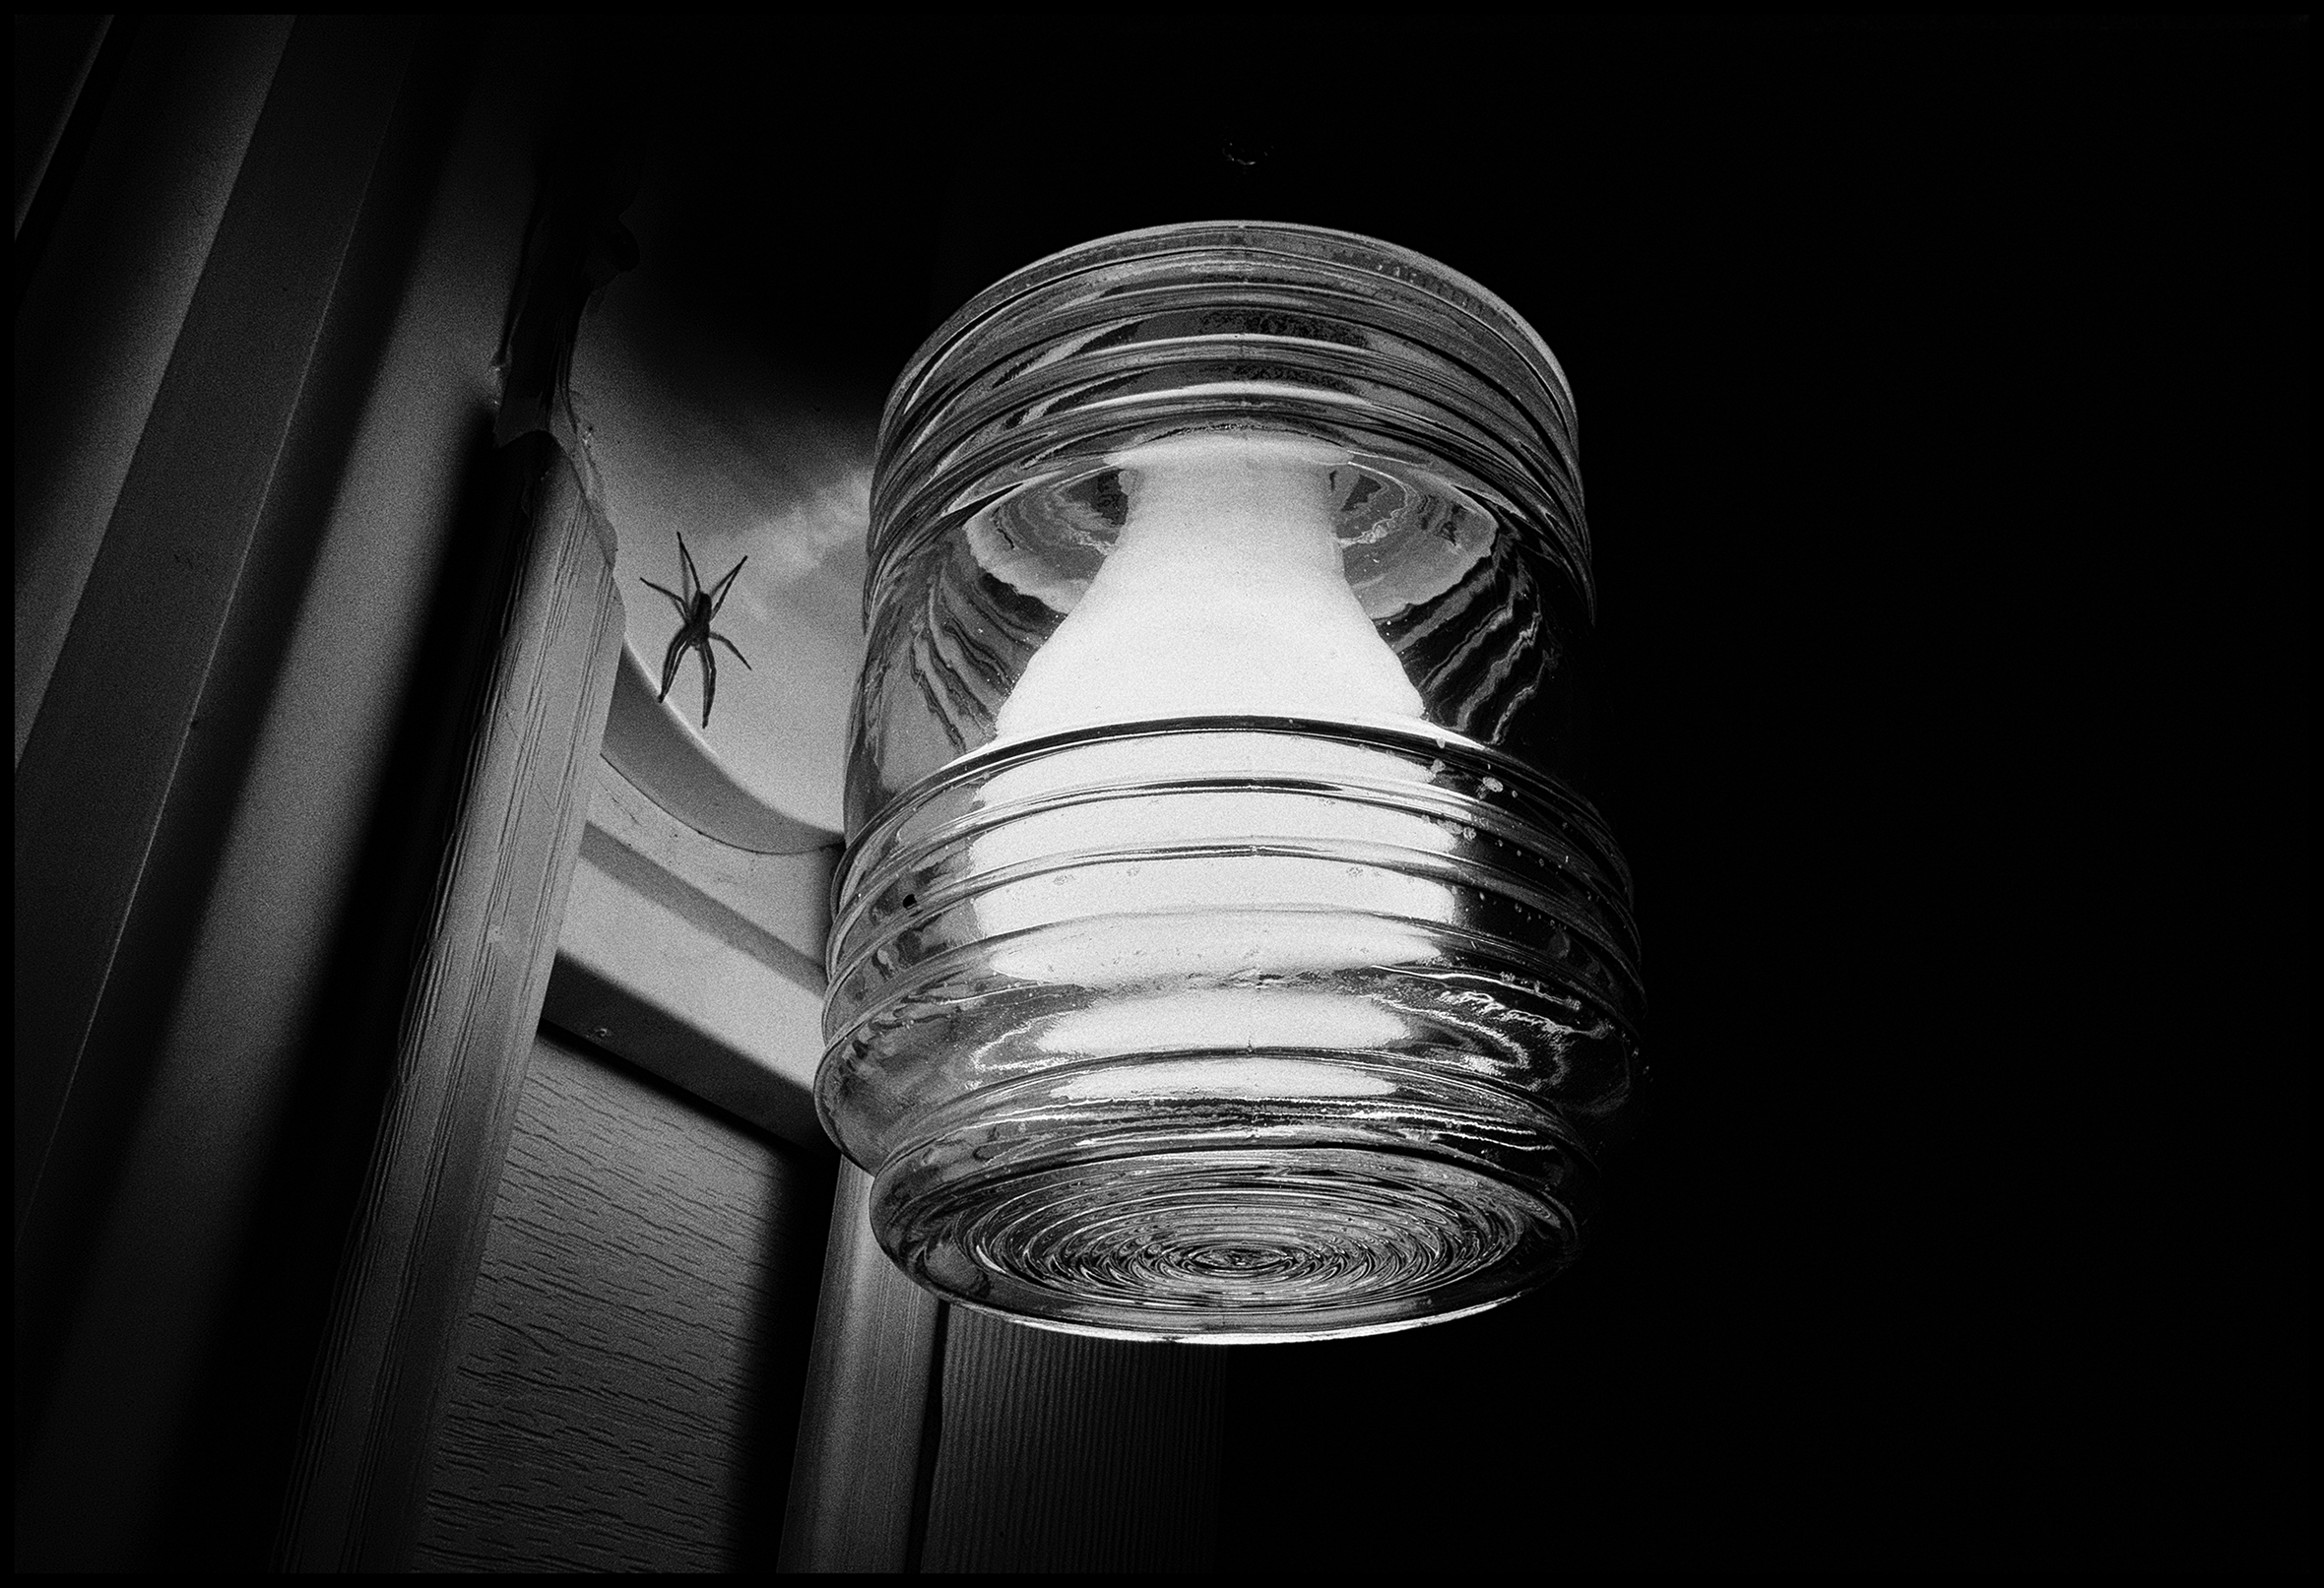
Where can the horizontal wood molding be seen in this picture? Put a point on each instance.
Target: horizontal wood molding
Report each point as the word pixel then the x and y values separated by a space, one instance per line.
pixel 697 961
pixel 784 896
pixel 662 759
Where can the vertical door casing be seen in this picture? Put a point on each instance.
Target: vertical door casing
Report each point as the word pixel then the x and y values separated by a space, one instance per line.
pixel 210 761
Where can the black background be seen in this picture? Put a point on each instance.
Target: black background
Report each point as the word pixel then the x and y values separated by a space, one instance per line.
pixel 1944 402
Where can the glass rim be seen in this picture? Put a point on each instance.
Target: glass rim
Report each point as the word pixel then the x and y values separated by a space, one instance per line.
pixel 1327 246
pixel 1476 377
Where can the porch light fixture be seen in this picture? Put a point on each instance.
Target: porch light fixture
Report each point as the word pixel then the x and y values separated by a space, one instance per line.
pixel 1224 947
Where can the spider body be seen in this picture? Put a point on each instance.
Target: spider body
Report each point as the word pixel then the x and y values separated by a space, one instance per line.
pixel 695 610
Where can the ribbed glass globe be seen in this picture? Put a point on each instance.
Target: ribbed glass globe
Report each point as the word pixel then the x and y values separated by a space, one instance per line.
pixel 1225 948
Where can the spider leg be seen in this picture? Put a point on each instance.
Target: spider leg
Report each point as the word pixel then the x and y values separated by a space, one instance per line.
pixel 670 660
pixel 718 596
pixel 739 656
pixel 675 600
pixel 709 678
pixel 693 579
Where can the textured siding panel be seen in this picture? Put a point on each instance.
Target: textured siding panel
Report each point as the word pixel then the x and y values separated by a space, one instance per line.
pixel 628 1370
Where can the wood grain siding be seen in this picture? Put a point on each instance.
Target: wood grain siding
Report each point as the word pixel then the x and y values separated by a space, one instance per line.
pixel 628 1372
pixel 1062 1453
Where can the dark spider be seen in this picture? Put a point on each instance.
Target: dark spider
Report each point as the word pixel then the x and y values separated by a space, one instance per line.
pixel 695 608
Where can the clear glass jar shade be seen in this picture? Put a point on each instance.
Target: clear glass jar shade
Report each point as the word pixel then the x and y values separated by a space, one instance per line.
pixel 1224 949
